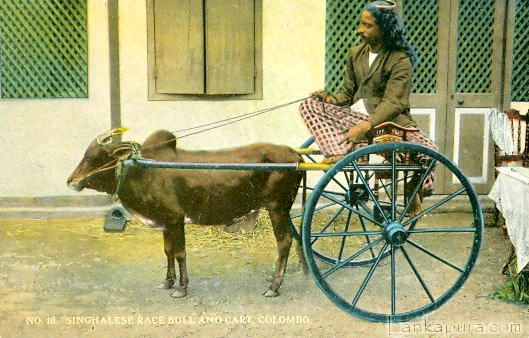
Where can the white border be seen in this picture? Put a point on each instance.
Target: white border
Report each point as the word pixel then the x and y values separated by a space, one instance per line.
pixel 486 139
pixel 431 113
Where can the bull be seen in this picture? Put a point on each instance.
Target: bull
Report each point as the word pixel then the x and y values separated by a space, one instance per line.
pixel 167 197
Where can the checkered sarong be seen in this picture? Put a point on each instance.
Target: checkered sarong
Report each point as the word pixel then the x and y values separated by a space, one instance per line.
pixel 325 121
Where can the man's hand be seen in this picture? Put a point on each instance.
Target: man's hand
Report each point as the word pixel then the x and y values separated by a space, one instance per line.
pixel 357 133
pixel 324 96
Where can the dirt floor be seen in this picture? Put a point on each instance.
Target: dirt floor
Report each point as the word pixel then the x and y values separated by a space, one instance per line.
pixel 70 278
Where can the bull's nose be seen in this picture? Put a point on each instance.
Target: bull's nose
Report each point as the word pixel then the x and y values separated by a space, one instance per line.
pixel 68 181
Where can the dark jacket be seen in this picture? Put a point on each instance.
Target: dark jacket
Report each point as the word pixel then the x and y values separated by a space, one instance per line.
pixel 385 86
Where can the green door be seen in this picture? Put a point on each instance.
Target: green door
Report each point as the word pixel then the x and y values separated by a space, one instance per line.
pixel 459 79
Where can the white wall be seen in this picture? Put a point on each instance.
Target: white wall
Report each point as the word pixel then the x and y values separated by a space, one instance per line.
pixel 522 107
pixel 42 140
pixel 293 66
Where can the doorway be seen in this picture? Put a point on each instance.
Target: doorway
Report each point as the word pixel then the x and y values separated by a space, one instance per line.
pixel 458 80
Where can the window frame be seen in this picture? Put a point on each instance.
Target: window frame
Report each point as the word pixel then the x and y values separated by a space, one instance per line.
pixel 151 65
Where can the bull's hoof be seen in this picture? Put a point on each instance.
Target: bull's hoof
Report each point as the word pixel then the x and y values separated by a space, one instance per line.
pixel 271 293
pixel 179 293
pixel 166 284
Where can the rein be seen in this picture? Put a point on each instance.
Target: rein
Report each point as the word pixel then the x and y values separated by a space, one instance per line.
pixel 227 121
pixel 117 163
pixel 135 147
pixel 104 167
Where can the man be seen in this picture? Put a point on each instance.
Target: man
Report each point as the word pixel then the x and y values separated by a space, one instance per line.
pixel 377 83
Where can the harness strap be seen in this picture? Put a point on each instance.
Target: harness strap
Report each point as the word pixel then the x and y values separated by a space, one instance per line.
pixel 121 170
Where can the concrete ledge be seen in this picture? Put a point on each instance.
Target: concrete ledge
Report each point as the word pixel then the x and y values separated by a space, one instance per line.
pixel 55 206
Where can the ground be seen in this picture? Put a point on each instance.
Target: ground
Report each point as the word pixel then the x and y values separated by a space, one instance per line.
pixel 69 278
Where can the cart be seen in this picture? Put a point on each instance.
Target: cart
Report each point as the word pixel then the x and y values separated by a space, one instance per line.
pixel 365 249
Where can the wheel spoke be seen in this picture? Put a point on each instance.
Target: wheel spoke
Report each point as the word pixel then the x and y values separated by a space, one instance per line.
pixel 364 207
pixel 417 188
pixel 348 233
pixel 329 223
pixel 393 187
pixel 393 281
pixel 370 192
pixel 424 231
pixel 385 187
pixel 329 192
pixel 347 178
pixel 367 236
pixel 450 264
pixel 357 212
pixel 368 276
pixel 340 184
pixel 353 256
pixel 342 246
pixel 433 207
pixel 311 158
pixel 419 278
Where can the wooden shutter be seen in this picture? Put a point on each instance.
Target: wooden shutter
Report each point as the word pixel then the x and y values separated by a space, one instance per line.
pixel 179 45
pixel 230 47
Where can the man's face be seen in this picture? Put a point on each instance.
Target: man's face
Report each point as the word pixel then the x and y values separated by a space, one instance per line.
pixel 368 29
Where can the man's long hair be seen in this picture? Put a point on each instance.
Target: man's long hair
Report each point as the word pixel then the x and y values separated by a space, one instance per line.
pixel 392 28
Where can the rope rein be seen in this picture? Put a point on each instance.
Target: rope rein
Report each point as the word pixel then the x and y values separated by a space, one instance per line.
pixel 136 147
pixel 102 168
pixel 234 119
pixel 227 121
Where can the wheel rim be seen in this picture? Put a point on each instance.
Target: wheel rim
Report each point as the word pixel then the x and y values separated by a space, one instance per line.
pixel 408 249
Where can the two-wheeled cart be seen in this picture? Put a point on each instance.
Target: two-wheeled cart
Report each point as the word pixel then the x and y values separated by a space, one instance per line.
pixel 367 250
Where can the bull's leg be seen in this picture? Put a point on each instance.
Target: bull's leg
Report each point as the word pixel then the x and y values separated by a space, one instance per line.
pixel 301 254
pixel 168 245
pixel 280 222
pixel 180 255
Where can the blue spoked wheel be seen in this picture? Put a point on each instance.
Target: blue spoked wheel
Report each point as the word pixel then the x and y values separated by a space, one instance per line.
pixel 387 258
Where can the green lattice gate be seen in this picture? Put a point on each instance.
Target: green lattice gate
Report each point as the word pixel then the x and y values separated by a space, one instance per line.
pixel 520 52
pixel 43 49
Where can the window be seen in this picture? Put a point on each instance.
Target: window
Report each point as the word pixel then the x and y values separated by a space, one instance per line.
pixel 43 49
pixel 201 49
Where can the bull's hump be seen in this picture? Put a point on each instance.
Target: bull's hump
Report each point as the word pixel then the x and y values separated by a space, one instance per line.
pixel 160 139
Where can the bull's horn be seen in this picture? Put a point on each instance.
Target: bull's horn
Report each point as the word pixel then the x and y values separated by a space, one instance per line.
pixel 106 138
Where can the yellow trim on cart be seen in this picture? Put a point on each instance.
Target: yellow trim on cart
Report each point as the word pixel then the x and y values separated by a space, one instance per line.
pixel 314 166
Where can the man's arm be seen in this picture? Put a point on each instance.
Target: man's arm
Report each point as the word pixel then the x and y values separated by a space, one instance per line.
pixel 397 93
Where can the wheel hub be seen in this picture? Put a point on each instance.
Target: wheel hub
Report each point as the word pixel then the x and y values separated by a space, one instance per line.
pixel 395 233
